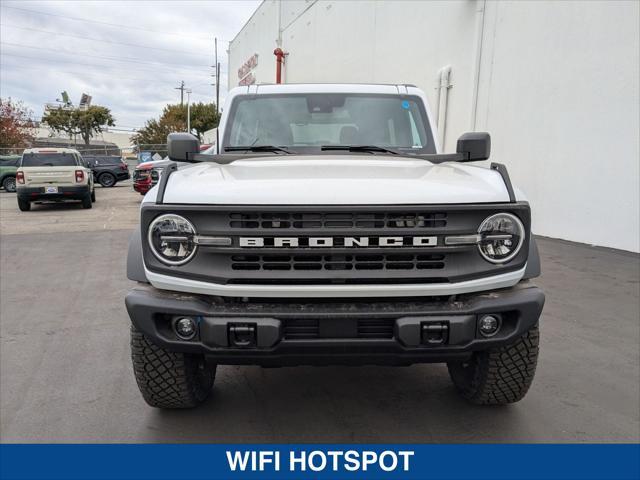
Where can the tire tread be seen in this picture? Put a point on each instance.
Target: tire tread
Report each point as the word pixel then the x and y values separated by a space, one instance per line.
pixel 501 375
pixel 168 379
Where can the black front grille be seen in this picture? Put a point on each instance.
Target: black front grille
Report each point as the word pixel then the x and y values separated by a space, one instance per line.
pixel 375 328
pixel 347 246
pixel 347 220
pixel 395 261
pixel 302 329
pixel 138 174
pixel 310 328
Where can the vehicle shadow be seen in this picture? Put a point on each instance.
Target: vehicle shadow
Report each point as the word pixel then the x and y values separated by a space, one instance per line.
pixel 66 205
pixel 333 404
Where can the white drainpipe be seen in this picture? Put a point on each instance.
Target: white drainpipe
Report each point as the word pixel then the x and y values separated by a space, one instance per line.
pixel 444 84
pixel 482 4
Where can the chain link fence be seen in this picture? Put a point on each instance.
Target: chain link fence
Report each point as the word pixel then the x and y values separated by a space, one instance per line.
pixel 112 149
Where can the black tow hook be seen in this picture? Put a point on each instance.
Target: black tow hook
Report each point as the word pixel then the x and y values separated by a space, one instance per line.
pixel 435 333
pixel 242 335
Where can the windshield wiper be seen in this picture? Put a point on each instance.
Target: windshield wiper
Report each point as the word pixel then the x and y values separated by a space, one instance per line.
pixel 258 148
pixel 360 148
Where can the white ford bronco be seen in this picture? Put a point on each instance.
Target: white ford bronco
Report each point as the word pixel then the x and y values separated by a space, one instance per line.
pixel 53 174
pixel 329 228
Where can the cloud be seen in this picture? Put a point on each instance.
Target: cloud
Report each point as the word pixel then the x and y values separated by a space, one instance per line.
pixel 130 57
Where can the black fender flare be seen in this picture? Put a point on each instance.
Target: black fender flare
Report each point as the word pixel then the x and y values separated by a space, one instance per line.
pixel 135 262
pixel 533 261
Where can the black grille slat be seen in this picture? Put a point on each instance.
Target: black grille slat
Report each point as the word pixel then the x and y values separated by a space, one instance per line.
pixel 338 262
pixel 375 328
pixel 359 220
pixel 304 329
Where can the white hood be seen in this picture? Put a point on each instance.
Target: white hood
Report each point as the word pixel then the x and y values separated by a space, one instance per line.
pixel 333 180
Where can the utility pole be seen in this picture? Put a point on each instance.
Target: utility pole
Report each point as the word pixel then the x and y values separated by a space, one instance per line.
pixel 188 90
pixel 216 67
pixel 217 89
pixel 181 88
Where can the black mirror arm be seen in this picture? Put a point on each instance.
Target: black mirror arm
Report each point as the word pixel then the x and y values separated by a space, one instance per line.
pixel 502 170
pixel 162 186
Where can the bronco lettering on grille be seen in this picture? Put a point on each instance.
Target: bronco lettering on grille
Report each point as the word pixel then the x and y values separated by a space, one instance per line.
pixel 319 242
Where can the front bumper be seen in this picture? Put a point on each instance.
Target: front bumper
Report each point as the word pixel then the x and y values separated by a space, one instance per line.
pixel 75 192
pixel 305 332
pixel 142 186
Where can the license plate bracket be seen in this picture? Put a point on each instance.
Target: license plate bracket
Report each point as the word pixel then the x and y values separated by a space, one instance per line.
pixel 338 328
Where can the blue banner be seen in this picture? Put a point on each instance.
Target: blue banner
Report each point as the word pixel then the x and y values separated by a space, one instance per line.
pixel 145 156
pixel 340 461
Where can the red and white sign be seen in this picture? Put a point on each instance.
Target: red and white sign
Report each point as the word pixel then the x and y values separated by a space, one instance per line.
pixel 245 74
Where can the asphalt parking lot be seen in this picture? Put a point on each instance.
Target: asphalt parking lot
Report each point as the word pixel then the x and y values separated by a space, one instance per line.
pixel 65 372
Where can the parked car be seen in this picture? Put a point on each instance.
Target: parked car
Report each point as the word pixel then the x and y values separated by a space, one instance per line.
pixel 210 150
pixel 147 174
pixel 56 174
pixel 332 229
pixel 107 169
pixel 8 167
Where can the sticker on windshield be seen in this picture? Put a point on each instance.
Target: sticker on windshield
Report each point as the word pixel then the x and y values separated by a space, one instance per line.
pixel 405 104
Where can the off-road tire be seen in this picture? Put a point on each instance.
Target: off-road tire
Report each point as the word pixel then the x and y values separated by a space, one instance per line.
pixel 93 195
pixel 24 205
pixel 500 375
pixel 169 379
pixel 107 180
pixel 86 201
pixel 9 184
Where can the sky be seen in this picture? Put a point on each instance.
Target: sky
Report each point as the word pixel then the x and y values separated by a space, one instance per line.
pixel 128 55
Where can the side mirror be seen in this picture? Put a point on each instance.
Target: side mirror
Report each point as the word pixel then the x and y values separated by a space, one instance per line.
pixel 181 146
pixel 474 146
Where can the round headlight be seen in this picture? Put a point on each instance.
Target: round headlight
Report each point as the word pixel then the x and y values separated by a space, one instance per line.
pixel 501 236
pixel 171 239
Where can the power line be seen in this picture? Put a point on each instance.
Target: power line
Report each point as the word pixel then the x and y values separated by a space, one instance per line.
pixel 117 128
pixel 183 52
pixel 90 64
pixel 118 25
pixel 115 59
pixel 119 77
pixel 84 73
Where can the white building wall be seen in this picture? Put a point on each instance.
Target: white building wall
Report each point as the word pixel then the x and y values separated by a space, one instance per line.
pixel 257 37
pixel 120 138
pixel 559 95
pixel 557 88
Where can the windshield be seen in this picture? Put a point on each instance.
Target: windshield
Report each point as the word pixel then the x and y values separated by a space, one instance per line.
pixel 49 160
pixel 307 122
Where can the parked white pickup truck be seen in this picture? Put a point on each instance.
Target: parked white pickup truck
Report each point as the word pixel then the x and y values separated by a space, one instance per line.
pixel 330 229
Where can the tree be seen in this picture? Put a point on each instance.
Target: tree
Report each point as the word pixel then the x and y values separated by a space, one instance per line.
pixel 85 122
pixel 174 119
pixel 17 130
pixel 203 118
